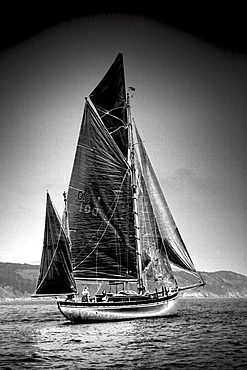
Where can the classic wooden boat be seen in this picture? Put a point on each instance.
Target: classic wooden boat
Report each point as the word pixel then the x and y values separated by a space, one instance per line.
pixel 117 229
pixel 121 307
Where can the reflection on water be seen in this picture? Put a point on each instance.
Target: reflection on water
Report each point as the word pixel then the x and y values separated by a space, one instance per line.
pixel 206 332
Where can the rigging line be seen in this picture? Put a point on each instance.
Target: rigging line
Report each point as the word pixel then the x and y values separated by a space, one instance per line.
pixel 103 233
pixel 96 232
pixel 74 188
pixel 127 171
pixel 107 113
pixel 184 255
pixel 71 278
pixel 113 132
pixel 102 126
pixel 116 200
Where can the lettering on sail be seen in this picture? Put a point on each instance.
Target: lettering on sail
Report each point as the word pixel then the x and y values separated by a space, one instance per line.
pixel 84 197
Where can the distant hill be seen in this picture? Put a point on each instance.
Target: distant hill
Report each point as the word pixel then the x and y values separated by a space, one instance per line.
pixel 19 280
pixel 218 284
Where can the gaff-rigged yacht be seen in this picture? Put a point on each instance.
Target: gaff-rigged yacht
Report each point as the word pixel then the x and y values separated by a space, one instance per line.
pixel 117 236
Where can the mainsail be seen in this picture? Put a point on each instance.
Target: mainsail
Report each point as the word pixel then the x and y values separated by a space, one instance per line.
pixel 55 277
pixel 100 206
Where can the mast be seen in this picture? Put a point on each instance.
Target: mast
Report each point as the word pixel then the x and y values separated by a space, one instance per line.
pixel 131 161
pixel 66 221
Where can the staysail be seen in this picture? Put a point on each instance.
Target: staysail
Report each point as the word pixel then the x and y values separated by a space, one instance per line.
pixel 109 98
pixel 100 206
pixel 156 264
pixel 175 247
pixel 55 277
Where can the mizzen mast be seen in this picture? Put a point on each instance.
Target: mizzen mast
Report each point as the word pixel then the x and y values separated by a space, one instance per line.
pixel 65 218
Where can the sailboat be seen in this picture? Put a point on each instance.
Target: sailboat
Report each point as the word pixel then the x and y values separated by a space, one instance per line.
pixel 114 254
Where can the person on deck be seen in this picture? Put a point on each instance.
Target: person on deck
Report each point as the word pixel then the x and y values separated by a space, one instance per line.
pixel 104 297
pixel 85 295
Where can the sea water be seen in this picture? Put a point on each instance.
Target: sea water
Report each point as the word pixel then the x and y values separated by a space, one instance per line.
pixel 206 334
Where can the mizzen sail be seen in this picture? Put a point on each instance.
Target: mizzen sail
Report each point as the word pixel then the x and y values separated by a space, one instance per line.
pixel 55 277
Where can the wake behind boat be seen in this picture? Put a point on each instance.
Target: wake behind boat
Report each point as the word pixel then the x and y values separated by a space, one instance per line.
pixel 117 235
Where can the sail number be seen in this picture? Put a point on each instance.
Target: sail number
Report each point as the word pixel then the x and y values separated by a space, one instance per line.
pixel 85 197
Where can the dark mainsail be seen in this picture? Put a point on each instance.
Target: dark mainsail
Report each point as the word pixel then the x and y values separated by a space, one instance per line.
pixel 109 98
pixel 100 206
pixel 55 276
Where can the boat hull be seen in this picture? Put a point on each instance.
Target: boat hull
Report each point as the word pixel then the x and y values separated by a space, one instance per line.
pixel 88 312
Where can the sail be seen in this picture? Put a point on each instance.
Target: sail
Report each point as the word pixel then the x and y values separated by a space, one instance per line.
pixel 109 98
pixel 100 206
pixel 55 277
pixel 175 247
pixel 155 261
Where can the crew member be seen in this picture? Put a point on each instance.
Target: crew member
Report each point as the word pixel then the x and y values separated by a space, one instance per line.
pixel 85 294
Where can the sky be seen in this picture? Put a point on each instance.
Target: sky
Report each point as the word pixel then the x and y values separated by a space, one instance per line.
pixel 189 105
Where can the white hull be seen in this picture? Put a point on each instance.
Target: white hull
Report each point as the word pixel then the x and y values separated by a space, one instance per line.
pixel 81 312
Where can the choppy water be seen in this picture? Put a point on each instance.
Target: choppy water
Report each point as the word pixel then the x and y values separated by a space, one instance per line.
pixel 207 334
